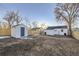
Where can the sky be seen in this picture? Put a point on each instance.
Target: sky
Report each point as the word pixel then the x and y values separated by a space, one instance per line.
pixel 39 12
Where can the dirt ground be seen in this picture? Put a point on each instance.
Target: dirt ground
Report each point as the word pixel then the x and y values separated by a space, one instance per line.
pixel 40 46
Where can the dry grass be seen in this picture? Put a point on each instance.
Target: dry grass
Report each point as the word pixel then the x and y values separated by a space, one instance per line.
pixel 40 46
pixel 76 34
pixel 4 32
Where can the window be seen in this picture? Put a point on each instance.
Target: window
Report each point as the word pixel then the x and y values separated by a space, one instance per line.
pixel 61 30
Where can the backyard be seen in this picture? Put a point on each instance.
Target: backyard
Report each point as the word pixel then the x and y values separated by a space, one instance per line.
pixel 40 46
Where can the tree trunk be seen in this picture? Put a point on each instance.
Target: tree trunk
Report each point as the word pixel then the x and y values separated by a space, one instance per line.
pixel 70 30
pixel 10 30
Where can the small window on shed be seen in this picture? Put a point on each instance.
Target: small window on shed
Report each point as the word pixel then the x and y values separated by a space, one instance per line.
pixel 61 30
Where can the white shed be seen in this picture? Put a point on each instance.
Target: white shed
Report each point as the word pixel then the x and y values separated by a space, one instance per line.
pixel 56 30
pixel 19 31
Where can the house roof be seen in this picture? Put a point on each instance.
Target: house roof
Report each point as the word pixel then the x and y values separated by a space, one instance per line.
pixel 55 27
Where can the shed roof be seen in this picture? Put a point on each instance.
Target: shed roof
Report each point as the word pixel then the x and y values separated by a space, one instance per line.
pixel 55 27
pixel 18 25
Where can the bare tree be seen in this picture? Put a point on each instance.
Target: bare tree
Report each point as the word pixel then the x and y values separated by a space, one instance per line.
pixel 43 26
pixel 4 25
pixel 67 12
pixel 17 18
pixel 11 17
pixel 0 26
pixel 28 23
pixel 34 23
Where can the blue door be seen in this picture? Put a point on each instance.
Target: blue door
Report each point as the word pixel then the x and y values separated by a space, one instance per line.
pixel 22 31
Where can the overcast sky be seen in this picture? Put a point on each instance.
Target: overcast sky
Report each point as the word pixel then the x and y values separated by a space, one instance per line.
pixel 42 13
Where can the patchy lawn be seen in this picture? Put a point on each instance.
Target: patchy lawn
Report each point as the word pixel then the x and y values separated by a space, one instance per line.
pixel 40 46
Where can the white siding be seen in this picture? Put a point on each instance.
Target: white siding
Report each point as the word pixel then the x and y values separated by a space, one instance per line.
pixel 56 32
pixel 16 31
pixel 26 32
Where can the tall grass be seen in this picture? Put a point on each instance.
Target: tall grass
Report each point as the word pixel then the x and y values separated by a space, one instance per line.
pixel 76 34
pixel 4 32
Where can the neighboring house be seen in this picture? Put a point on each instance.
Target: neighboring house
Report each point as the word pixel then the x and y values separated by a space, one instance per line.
pixel 19 31
pixel 56 30
pixel 34 31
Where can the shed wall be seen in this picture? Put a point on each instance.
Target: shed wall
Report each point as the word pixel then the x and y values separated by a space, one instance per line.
pixel 16 31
